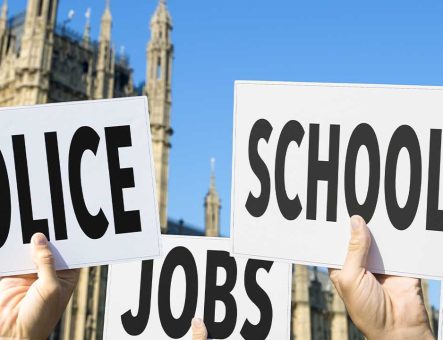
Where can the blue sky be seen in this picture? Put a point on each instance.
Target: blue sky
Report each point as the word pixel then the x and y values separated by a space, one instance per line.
pixel 217 42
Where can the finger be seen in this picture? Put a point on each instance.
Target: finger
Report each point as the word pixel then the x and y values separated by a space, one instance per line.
pixel 199 331
pixel 355 262
pixel 43 258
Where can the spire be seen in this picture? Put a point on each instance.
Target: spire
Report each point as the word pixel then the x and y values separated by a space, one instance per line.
pixel 159 55
pixel 161 14
pixel 4 14
pixel 212 186
pixel 87 32
pixel 104 82
pixel 107 16
pixel 212 206
pixel 106 23
pixel 212 193
pixel 107 8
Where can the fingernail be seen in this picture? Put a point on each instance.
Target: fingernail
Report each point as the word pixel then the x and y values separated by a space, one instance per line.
pixel 355 222
pixel 196 322
pixel 39 239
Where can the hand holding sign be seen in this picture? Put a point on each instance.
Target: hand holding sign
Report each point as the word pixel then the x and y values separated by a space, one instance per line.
pixel 381 306
pixel 31 305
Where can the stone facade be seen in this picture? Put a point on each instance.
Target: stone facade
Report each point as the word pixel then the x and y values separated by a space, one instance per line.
pixel 42 61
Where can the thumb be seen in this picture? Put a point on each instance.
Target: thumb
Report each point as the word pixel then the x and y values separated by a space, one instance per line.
pixel 43 258
pixel 355 262
pixel 199 331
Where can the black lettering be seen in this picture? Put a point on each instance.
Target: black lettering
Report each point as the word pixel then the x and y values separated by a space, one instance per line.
pixel 363 135
pixel 85 138
pixel 135 325
pixel 29 225
pixel 323 171
pixel 403 137
pixel 259 297
pixel 213 293
pixel 120 178
pixel 292 132
pixel 257 206
pixel 5 202
pixel 177 328
pixel 434 216
pixel 55 185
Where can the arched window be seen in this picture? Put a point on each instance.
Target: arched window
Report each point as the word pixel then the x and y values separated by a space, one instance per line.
pixel 40 8
pixel 50 10
pixel 85 67
pixel 159 68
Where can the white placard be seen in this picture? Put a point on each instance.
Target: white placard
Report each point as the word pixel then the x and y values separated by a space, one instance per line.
pixel 238 298
pixel 301 167
pixel 82 173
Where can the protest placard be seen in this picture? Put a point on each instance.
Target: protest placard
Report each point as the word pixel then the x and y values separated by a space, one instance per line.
pixel 308 156
pixel 82 174
pixel 237 298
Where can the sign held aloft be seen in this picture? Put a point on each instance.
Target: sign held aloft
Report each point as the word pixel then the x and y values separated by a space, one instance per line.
pixel 82 174
pixel 308 156
pixel 238 298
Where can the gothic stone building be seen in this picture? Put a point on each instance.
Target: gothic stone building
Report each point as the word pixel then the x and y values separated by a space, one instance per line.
pixel 42 61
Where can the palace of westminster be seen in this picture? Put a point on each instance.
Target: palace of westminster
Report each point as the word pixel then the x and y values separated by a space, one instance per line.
pixel 42 61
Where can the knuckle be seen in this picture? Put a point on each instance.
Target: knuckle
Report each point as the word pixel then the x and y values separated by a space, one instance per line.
pixel 45 257
pixel 354 244
pixel 359 242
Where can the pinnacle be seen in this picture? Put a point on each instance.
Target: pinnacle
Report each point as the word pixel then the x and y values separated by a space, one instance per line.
pixel 107 13
pixel 213 173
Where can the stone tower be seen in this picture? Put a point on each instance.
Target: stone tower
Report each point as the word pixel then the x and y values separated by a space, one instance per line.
pixel 158 90
pixel 339 317
pixel 104 85
pixel 87 30
pixel 34 65
pixel 212 207
pixel 425 292
pixel 301 314
pixel 3 19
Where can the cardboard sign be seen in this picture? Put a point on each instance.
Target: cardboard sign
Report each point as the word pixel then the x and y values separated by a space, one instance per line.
pixel 81 173
pixel 308 156
pixel 238 298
